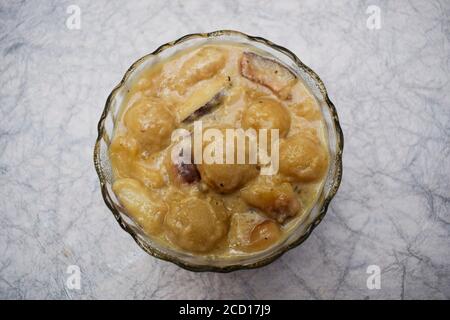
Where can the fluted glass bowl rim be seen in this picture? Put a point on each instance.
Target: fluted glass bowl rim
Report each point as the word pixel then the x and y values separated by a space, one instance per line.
pixel 336 179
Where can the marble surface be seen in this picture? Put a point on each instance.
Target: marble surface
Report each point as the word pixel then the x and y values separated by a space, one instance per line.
pixel 391 87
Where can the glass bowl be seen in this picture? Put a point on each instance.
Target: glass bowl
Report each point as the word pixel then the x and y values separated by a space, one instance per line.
pixel 208 263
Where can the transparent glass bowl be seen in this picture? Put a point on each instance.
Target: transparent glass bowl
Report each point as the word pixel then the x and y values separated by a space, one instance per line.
pixel 205 263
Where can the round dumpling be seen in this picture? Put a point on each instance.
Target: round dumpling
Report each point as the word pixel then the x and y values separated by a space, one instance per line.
pixel 265 235
pixel 266 113
pixel 303 158
pixel 197 225
pixel 226 178
pixel 273 196
pixel 250 232
pixel 151 123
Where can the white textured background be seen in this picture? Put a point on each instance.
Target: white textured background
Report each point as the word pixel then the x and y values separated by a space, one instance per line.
pixel 390 86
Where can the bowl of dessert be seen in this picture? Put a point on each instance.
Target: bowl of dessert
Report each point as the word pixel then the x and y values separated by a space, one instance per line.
pixel 219 151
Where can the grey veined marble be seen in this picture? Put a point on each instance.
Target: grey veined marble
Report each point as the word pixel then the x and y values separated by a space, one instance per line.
pixel 391 86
